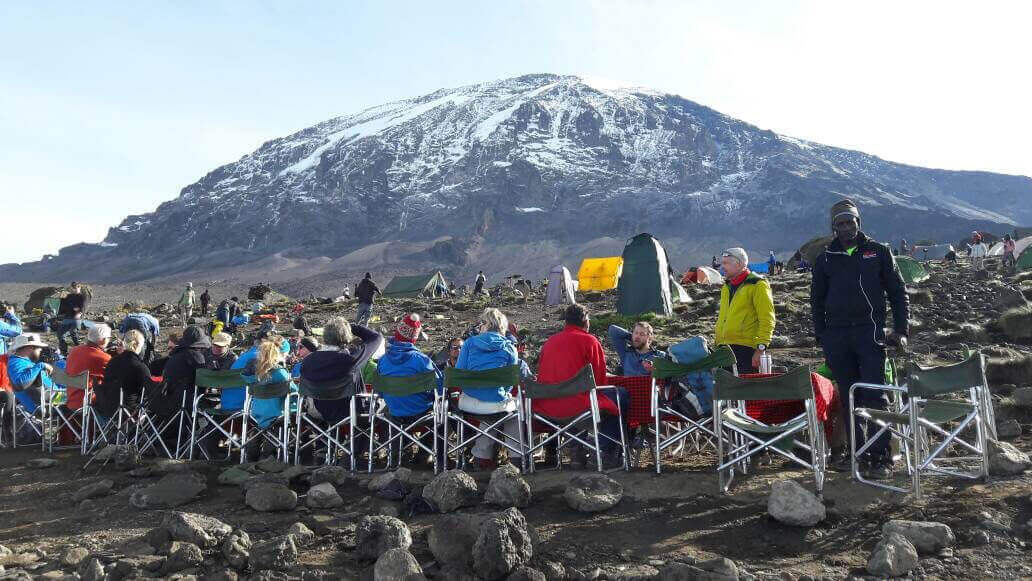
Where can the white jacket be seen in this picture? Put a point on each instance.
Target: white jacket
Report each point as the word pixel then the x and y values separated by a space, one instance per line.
pixel 979 250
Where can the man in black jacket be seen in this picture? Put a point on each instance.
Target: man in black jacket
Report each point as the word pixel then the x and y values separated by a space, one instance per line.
pixel 364 292
pixel 71 311
pixel 851 279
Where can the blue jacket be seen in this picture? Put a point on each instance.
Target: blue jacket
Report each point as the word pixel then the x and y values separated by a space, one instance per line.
pixel 701 383
pixel 402 360
pixel 265 411
pixel 10 326
pixel 487 351
pixel 140 321
pixel 630 358
pixel 22 372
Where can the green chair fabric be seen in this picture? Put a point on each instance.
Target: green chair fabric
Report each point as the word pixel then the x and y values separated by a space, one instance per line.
pixel 663 368
pixel 407 385
pixel 934 411
pixel 468 378
pixel 213 379
pixel 583 381
pixel 911 270
pixel 924 382
pixel 61 377
pixel 796 384
pixel 270 390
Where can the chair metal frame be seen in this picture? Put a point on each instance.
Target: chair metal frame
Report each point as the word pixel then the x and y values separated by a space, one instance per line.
pixel 282 440
pixel 487 425
pixel 116 431
pixel 566 430
pixel 145 422
pixel 330 434
pixel 405 433
pixel 729 397
pixel 22 416
pixel 907 422
pixel 57 419
pixel 206 380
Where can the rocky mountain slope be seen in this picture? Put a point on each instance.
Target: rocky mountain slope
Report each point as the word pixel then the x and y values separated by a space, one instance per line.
pixel 520 173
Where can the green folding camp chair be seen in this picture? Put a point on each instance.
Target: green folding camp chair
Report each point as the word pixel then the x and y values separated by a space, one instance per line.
pixel 927 416
pixel 404 433
pixel 739 437
pixel 219 422
pixel 487 425
pixel 277 432
pixel 566 431
pixel 322 436
pixel 663 413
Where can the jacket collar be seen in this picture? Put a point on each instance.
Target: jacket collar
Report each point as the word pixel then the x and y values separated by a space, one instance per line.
pixel 836 247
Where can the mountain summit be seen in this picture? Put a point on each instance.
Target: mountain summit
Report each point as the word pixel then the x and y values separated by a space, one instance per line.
pixel 521 172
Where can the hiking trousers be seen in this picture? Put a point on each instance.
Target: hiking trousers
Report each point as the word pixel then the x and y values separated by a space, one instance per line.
pixel 857 355
pixel 362 316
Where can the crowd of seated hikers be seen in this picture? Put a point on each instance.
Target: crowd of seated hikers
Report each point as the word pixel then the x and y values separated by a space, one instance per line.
pixel 851 281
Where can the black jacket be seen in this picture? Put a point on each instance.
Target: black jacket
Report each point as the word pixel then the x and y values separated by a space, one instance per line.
pixel 178 378
pixel 365 290
pixel 221 363
pixel 329 367
pixel 126 374
pixel 850 290
pixel 72 304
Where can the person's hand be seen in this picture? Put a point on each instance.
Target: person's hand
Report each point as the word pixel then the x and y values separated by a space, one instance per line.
pixel 647 365
pixel 756 356
pixel 49 368
pixel 897 340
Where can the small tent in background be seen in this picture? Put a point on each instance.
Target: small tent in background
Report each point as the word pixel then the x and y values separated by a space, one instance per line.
pixel 421 285
pixel 759 267
pixel 560 286
pixel 996 250
pixel 702 275
pixel 678 292
pixel 644 286
pixel 52 295
pixel 936 252
pixel 811 250
pixel 599 274
pixel 1021 245
pixel 912 270
pixel 1025 259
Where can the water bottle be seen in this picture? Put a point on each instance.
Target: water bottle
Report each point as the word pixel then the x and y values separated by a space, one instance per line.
pixel 765 362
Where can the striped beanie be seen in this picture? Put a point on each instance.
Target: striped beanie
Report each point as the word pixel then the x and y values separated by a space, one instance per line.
pixel 408 328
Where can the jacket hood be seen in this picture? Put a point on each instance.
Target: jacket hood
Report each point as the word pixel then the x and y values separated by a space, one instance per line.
pixel 194 338
pixel 488 342
pixel 400 352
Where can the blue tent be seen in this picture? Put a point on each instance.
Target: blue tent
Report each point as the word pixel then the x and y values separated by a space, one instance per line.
pixel 759 267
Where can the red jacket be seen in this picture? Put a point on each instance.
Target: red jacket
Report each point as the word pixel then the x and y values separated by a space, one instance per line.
pixel 562 356
pixel 82 358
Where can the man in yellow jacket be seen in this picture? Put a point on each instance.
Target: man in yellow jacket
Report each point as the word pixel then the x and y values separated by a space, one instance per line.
pixel 746 318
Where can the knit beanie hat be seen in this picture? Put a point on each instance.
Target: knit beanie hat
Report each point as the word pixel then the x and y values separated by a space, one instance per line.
pixel 408 328
pixel 738 254
pixel 845 207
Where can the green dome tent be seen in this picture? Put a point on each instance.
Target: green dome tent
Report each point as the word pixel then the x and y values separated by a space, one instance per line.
pixel 420 285
pixel 912 270
pixel 644 286
pixel 1025 259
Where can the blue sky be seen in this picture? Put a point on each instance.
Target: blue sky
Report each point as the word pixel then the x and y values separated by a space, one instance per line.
pixel 109 108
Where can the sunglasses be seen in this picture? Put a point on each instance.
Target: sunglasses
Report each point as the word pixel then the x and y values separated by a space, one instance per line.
pixel 455 348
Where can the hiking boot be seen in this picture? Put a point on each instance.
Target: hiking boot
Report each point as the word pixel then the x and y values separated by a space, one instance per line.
pixel 840 462
pixel 879 470
pixel 610 460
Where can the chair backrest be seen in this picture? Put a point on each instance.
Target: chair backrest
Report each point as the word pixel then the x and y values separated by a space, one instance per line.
pixel 470 379
pixel 404 385
pixel 663 368
pixel 583 381
pixel 79 381
pixel 216 379
pixel 922 382
pixel 269 390
pixel 796 384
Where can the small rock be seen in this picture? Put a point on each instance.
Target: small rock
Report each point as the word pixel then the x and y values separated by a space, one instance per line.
pixel 726 570
pixel 592 493
pixel 269 478
pixel 74 556
pixel 526 574
pixel 452 537
pixel 91 570
pixel 404 475
pixel 893 556
pixel 302 534
pixel 171 491
pixel 451 490
pixel 183 556
pixel 202 530
pixel 1023 396
pixel 927 537
pixel 271 465
pixel 278 554
pixel 503 544
pixel 222 575
pixel 397 564
pixel 1008 429
pixel 336 475
pixel 794 505
pixel 553 570
pixel 268 497
pixel 507 488
pixel 236 548
pixel 41 463
pixel 377 534
pixel 323 495
pixel 234 476
pixel 94 490
pixel 1006 460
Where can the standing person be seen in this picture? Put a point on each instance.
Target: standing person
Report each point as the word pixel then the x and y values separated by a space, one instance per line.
pixel 186 303
pixel 634 347
pixel 1009 260
pixel 92 357
pixel 10 327
pixel 904 249
pixel 148 326
pixel 715 264
pixel 71 311
pixel 478 286
pixel 227 310
pixel 365 291
pixel 205 302
pixel 978 253
pixel 772 263
pixel 851 279
pixel 746 318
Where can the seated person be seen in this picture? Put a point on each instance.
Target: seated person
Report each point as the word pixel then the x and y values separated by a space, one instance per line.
pixel 265 369
pixel 338 358
pixel 157 366
pixel 306 346
pixel 450 354
pixel 126 376
pixel 634 349
pixel 91 356
pixel 220 357
pixel 562 356
pixel 26 372
pixel 490 349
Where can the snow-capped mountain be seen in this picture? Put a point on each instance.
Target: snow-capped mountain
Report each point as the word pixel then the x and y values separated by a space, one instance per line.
pixel 531 160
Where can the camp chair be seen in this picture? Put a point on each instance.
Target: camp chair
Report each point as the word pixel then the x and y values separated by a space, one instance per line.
pixel 922 419
pixel 216 418
pixel 398 431
pixel 567 430
pixel 58 418
pixel 276 433
pixel 116 431
pixel 150 430
pixel 322 434
pixel 28 414
pixel 488 425
pixel 663 413
pixel 739 437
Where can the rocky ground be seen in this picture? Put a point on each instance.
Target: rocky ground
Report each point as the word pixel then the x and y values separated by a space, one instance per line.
pixel 118 519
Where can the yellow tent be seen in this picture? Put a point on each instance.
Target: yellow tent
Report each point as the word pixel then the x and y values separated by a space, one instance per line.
pixel 598 274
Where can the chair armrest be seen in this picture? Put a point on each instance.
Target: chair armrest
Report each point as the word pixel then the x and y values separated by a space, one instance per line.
pixel 879 387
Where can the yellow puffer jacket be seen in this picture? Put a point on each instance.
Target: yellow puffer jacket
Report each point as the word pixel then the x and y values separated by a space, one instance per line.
pixel 749 319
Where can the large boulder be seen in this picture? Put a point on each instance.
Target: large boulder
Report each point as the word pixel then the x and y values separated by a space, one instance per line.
pixel 265 478
pixel 893 556
pixel 927 537
pixel 792 504
pixel 451 490
pixel 1008 297
pixel 397 565
pixel 378 534
pixel 269 497
pixel 1023 396
pixel 335 475
pixel 202 530
pixel 452 537
pixel 237 549
pixel 718 569
pixel 234 476
pixel 182 556
pixel 503 544
pixel 592 493
pixel 279 554
pixel 1006 460
pixel 381 481
pixel 323 495
pixel 94 490
pixel 507 488
pixel 174 489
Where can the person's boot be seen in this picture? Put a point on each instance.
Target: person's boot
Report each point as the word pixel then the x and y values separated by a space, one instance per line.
pixel 879 469
pixel 611 460
pixel 840 461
